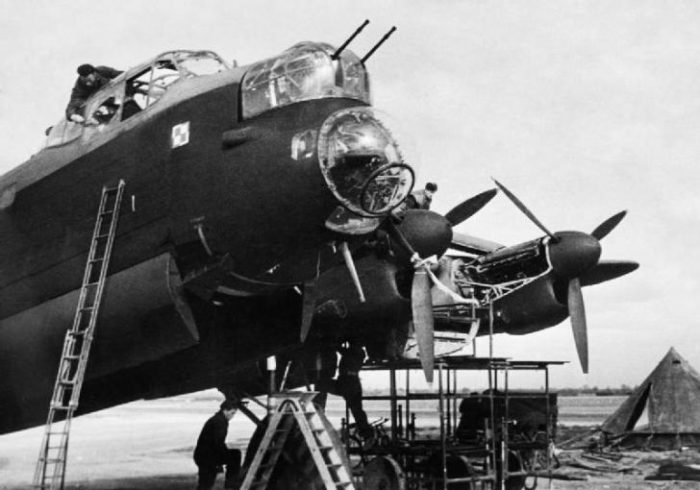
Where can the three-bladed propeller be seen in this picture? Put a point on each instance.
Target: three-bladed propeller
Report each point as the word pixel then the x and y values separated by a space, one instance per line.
pixel 432 235
pixel 574 256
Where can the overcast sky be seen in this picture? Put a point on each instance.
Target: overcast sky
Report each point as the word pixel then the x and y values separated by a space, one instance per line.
pixel 582 108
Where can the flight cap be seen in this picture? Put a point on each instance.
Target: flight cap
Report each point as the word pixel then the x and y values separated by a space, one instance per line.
pixel 85 69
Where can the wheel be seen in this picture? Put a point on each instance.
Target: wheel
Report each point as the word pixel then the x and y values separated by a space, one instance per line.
pixel 383 473
pixel 514 465
pixel 457 466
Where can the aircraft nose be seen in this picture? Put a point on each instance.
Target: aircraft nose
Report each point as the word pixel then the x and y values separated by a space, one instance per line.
pixel 572 252
pixel 361 162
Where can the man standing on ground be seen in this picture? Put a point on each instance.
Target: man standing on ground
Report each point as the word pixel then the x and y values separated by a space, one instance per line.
pixel 211 452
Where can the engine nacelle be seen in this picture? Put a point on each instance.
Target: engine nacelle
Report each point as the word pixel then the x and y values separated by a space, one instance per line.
pixel 532 307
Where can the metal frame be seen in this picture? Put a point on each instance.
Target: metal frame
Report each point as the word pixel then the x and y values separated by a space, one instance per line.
pixel 413 454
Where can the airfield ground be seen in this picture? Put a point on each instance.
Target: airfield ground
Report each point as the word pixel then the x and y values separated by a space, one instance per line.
pixel 148 446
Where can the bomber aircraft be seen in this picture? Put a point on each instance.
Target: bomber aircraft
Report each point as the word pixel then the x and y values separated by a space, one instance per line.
pixel 234 182
pixel 261 217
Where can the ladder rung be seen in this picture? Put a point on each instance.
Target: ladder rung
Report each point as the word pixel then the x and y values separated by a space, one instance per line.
pixel 61 407
pixel 54 460
pixel 62 434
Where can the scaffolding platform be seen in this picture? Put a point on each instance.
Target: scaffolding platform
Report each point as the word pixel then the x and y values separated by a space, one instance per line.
pixel 498 438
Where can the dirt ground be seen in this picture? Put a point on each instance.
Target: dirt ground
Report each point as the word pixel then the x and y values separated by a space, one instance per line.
pixel 627 473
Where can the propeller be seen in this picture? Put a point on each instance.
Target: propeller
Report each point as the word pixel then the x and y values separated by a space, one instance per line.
pixel 575 257
pixel 310 296
pixel 606 270
pixel 423 233
pixel 608 225
pixel 468 208
pixel 578 321
pixel 524 209
pixel 423 322
pixel 421 304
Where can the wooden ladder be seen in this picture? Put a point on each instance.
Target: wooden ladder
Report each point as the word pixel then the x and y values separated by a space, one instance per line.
pixel 291 407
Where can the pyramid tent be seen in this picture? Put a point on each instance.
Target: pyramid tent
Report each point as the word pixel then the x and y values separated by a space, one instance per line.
pixel 663 412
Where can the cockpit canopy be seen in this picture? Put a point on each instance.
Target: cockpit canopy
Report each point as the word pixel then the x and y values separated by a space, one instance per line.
pixel 138 89
pixel 305 71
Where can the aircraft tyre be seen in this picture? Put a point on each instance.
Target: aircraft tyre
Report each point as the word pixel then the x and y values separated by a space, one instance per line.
pixel 383 473
pixel 457 466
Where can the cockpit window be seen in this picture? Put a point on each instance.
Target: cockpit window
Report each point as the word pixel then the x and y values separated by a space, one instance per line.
pixel 202 63
pixel 303 72
pixel 151 83
pixel 125 97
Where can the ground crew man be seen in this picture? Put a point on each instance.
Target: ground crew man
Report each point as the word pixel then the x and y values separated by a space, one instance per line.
pixel 347 384
pixel 211 452
pixel 423 198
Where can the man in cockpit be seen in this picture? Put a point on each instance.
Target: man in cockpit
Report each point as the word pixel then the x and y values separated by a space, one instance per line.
pixel 89 81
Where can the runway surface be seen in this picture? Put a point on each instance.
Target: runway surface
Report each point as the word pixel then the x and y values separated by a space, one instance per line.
pixel 141 445
pixel 148 445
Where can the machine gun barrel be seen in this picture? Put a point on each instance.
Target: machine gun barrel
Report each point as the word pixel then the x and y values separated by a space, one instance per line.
pixel 335 55
pixel 376 46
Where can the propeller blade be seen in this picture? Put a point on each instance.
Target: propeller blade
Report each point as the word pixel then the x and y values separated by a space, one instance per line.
pixel 468 208
pixel 524 209
pixel 422 305
pixel 308 308
pixel 608 225
pixel 606 270
pixel 578 322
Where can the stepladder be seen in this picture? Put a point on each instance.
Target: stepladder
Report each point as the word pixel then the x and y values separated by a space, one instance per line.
pixel 51 464
pixel 291 410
